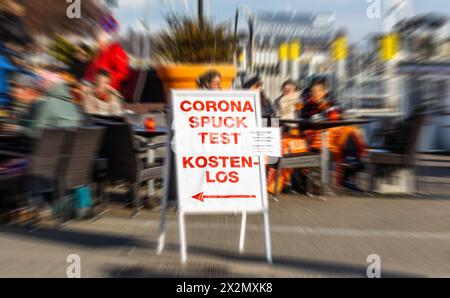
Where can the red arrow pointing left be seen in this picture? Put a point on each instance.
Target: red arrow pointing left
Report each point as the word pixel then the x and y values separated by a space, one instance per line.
pixel 202 197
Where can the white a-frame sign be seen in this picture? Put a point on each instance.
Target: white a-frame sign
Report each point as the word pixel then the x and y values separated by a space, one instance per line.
pixel 215 170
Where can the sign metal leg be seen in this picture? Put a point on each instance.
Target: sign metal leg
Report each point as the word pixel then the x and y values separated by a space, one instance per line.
pixel 161 243
pixel 151 184
pixel 165 199
pixel 183 245
pixel 243 228
pixel 267 237
pixel 325 163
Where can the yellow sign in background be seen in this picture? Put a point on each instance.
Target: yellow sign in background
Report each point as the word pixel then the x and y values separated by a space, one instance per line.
pixel 339 49
pixel 295 49
pixel 389 46
pixel 283 51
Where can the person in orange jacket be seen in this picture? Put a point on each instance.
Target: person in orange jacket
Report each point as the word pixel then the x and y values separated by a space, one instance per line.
pixel 346 144
pixel 110 57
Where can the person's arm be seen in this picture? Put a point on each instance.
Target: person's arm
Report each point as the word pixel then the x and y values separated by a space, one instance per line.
pixel 36 120
pixel 89 105
pixel 276 106
pixel 116 104
pixel 299 109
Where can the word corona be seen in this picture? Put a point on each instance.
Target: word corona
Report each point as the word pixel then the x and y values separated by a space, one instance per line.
pixel 211 106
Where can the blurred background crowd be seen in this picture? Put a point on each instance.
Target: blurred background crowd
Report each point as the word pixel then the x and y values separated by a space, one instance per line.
pixel 57 72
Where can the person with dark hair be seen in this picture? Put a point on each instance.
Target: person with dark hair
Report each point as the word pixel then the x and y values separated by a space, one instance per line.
pixel 255 83
pixel 41 103
pixel 317 102
pixel 291 142
pixel 102 98
pixel 80 62
pixel 346 144
pixel 211 80
pixel 13 30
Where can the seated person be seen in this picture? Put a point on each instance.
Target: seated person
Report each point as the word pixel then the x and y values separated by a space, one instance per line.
pixel 43 104
pixel 285 104
pixel 255 83
pixel 102 99
pixel 346 143
pixel 211 80
pixel 291 142
pixel 317 105
pixel 24 92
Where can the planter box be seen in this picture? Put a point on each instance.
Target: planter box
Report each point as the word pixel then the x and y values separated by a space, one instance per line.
pixel 184 76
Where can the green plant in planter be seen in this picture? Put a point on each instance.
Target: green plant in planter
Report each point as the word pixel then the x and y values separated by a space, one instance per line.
pixel 64 50
pixel 61 49
pixel 187 40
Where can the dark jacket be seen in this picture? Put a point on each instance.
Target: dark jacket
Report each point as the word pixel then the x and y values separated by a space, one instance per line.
pixel 78 69
pixel 12 29
pixel 266 106
pixel 311 108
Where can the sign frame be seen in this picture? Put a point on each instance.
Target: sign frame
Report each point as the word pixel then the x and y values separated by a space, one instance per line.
pixel 171 166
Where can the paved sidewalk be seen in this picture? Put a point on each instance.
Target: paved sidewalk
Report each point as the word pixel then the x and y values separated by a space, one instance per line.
pixel 310 238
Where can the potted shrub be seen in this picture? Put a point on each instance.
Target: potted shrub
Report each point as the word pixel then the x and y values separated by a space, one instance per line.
pixel 188 48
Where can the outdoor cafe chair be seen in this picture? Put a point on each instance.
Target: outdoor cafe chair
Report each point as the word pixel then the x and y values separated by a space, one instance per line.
pixel 79 160
pixel 42 175
pixel 127 160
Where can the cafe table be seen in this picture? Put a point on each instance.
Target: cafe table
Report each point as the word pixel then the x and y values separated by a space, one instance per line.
pixel 151 133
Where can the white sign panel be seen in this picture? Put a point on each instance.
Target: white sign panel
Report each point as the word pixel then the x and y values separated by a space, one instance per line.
pixel 216 171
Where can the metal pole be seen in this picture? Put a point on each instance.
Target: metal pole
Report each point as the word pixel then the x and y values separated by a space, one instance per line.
pixel 325 161
pixel 251 24
pixel 183 246
pixel 243 228
pixel 267 236
pixel 168 184
pixel 200 13
pixel 236 23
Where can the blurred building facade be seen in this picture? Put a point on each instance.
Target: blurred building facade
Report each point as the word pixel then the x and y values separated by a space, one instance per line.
pixel 416 74
pixel 48 17
pixel 282 45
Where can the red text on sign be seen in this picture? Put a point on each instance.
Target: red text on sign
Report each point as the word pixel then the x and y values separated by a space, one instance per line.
pixel 215 138
pixel 218 122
